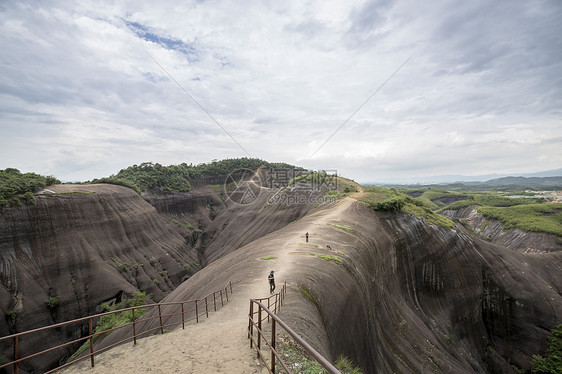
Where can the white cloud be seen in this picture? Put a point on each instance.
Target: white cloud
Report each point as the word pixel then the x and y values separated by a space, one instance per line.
pixel 81 96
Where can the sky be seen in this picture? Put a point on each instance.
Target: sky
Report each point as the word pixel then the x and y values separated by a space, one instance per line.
pixel 375 90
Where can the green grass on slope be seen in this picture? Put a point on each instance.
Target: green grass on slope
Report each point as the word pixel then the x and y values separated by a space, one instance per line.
pixel 432 197
pixel 390 200
pixel 490 201
pixel 545 218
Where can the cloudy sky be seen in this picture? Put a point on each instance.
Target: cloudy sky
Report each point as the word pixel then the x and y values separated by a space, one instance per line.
pixel 455 87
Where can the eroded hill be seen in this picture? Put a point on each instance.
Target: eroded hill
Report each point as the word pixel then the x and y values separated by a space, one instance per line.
pixel 397 294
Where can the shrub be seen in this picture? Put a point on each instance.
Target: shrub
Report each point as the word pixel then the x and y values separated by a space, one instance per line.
pixel 111 321
pixel 52 302
pixel 28 198
pixel 346 366
pixel 552 363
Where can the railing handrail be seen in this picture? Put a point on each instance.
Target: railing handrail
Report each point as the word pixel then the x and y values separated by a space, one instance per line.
pixel 91 335
pixel 275 319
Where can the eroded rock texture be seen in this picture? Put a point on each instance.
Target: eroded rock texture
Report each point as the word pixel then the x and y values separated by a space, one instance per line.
pixel 78 246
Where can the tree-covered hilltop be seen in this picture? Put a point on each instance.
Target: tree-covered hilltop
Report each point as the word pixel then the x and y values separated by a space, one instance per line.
pixel 17 188
pixel 150 175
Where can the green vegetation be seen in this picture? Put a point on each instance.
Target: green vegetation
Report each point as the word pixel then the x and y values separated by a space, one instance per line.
pixel 545 218
pixel 12 315
pixel 52 302
pixel 148 175
pixel 390 200
pixel 299 361
pixel 330 258
pixel 114 320
pixel 268 258
pixel 296 358
pixel 309 296
pixel 346 366
pixel 17 188
pixel 552 363
pixel 344 228
pixel 528 214
pixel 518 370
pixel 123 266
pixel 429 216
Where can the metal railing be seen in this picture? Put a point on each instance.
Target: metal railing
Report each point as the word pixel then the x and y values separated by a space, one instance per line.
pixel 256 318
pixel 188 310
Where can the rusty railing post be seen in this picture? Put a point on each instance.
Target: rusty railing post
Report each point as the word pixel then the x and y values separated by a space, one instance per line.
pixel 134 329
pixel 268 306
pixel 272 345
pixel 206 307
pixel 16 348
pixel 160 316
pixel 250 324
pixel 196 312
pixel 215 300
pixel 222 303
pixel 226 293
pixel 90 329
pixel 230 283
pixel 259 330
pixel 182 317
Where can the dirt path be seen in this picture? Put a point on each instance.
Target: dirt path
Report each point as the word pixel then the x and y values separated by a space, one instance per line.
pixel 218 344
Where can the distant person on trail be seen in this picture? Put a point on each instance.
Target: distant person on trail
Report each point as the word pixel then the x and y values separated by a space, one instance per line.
pixel 271 280
pixel 306 235
pixel 328 246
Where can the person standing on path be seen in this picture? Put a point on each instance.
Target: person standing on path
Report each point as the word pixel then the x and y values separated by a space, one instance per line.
pixel 306 235
pixel 271 282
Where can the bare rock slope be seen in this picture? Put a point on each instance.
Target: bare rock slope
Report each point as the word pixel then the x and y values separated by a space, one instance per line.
pixel 78 246
pixel 398 295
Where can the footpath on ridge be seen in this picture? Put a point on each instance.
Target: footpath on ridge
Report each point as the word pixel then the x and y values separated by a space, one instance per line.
pixel 219 344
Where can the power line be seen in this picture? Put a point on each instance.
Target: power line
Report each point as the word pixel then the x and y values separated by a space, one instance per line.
pixel 197 102
pixel 361 106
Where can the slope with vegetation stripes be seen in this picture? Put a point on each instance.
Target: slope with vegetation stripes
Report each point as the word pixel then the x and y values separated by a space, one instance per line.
pixel 76 247
pixel 396 293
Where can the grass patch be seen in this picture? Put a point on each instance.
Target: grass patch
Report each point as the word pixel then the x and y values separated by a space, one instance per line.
pixel 330 258
pixel 112 321
pixel 268 258
pixel 344 228
pixel 546 218
pixel 429 216
pixel 390 200
pixel 346 366
pixel 309 296
pixel 296 358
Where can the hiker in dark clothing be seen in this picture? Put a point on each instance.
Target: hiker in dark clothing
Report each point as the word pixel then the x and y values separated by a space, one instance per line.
pixel 306 237
pixel 271 282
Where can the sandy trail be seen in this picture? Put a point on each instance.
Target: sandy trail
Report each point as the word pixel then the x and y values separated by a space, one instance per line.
pixel 217 344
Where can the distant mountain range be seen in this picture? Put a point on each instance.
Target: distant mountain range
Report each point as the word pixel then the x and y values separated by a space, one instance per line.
pixel 550 178
pixel 521 181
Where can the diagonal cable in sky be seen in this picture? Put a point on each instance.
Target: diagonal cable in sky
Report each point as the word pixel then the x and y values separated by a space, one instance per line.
pixel 361 106
pixel 197 102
